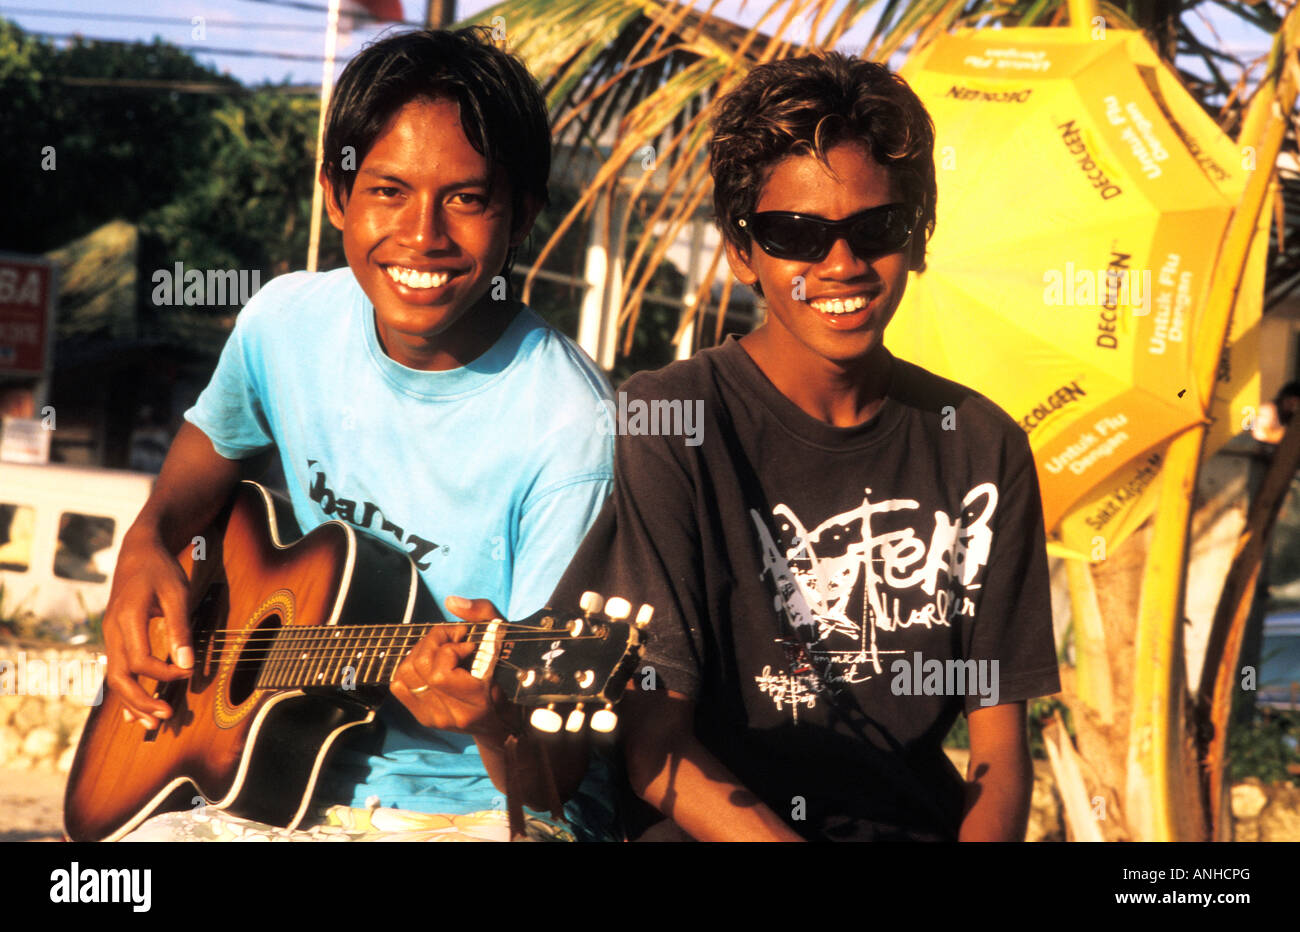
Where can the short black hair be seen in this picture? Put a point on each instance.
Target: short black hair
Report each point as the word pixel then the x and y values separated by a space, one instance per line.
pixel 502 110
pixel 806 106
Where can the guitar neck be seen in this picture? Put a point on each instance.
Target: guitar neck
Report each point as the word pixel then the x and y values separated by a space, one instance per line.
pixel 347 656
pixel 546 658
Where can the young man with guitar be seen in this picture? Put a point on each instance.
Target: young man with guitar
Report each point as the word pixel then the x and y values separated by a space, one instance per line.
pixel 411 397
pixel 850 523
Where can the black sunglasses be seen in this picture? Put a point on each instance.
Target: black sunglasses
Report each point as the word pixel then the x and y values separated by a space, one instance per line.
pixel 804 238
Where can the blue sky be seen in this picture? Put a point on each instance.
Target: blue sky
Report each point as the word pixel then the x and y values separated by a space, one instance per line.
pixel 261 26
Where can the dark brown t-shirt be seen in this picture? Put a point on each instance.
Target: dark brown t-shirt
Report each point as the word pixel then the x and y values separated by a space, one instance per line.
pixel 831 598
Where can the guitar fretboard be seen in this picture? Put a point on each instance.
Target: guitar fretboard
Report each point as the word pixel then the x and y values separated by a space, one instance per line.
pixel 339 655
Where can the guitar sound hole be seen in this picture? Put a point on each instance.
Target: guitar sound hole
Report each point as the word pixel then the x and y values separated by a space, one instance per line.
pixel 243 677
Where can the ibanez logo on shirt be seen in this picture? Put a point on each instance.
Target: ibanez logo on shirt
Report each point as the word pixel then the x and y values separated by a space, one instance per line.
pixel 371 517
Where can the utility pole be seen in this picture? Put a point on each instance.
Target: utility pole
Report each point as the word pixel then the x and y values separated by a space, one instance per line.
pixel 441 14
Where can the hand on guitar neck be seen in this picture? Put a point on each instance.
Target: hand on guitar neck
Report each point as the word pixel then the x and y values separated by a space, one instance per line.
pixel 437 688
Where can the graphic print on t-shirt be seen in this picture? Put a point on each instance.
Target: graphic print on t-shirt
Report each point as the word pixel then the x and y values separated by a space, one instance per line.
pixel 334 505
pixel 849 589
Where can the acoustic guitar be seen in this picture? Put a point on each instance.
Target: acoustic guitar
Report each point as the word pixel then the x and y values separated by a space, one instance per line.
pixel 293 645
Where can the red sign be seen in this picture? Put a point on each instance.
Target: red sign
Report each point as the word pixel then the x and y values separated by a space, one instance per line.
pixel 26 314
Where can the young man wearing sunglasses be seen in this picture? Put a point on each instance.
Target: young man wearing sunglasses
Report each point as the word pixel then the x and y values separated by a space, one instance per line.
pixel 851 554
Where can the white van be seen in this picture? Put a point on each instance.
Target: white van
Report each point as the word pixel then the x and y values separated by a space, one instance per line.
pixel 61 528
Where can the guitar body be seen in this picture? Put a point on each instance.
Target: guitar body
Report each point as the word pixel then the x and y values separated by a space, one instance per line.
pixel 253 750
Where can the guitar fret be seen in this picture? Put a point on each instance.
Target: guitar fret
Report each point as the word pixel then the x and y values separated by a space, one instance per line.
pixel 405 650
pixel 335 658
pixel 302 657
pixel 400 651
pixel 394 652
pixel 365 655
pixel 276 679
pixel 281 675
pixel 354 653
pixel 324 654
pixel 262 673
pixel 387 636
pixel 319 657
pixel 284 669
pixel 335 637
pixel 383 650
pixel 271 672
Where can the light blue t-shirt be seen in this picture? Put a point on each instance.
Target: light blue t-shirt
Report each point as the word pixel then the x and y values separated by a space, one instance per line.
pixel 487 475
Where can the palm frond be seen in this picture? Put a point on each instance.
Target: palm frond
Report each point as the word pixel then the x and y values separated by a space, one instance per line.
pixel 621 75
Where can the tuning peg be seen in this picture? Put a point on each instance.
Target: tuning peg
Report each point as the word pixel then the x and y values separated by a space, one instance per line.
pixel 575 719
pixel 644 614
pixel 547 719
pixel 604 720
pixel 591 602
pixel 618 608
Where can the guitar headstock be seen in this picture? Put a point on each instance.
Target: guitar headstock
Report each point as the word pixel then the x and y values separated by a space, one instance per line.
pixel 583 657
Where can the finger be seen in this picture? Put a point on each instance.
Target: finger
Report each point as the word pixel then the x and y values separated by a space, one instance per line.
pixel 472 609
pixel 130 620
pixel 431 707
pixel 441 634
pixel 408 676
pixel 174 598
pixel 421 662
pixel 146 721
pixel 448 657
pixel 138 703
pixel 426 709
pixel 137 660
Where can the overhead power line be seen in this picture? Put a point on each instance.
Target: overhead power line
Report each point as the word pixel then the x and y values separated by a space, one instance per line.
pixel 321 8
pixel 190 87
pixel 163 20
pixel 200 49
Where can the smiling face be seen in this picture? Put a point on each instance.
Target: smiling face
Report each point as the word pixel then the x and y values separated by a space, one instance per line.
pixel 839 313
pixel 424 239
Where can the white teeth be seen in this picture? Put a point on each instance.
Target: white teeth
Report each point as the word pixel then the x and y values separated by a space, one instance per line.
pixel 840 306
pixel 413 279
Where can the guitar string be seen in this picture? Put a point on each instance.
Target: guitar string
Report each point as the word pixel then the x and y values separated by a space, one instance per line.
pixel 307 632
pixel 409 626
pixel 316 650
pixel 383 661
pixel 305 635
pixel 394 632
pixel 294 639
pixel 365 682
pixel 260 656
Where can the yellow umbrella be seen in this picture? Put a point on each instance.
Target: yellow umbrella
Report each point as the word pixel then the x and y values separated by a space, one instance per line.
pixel 1117 507
pixel 1083 195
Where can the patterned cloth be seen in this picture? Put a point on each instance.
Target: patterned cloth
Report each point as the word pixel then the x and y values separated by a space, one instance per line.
pixel 345 823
